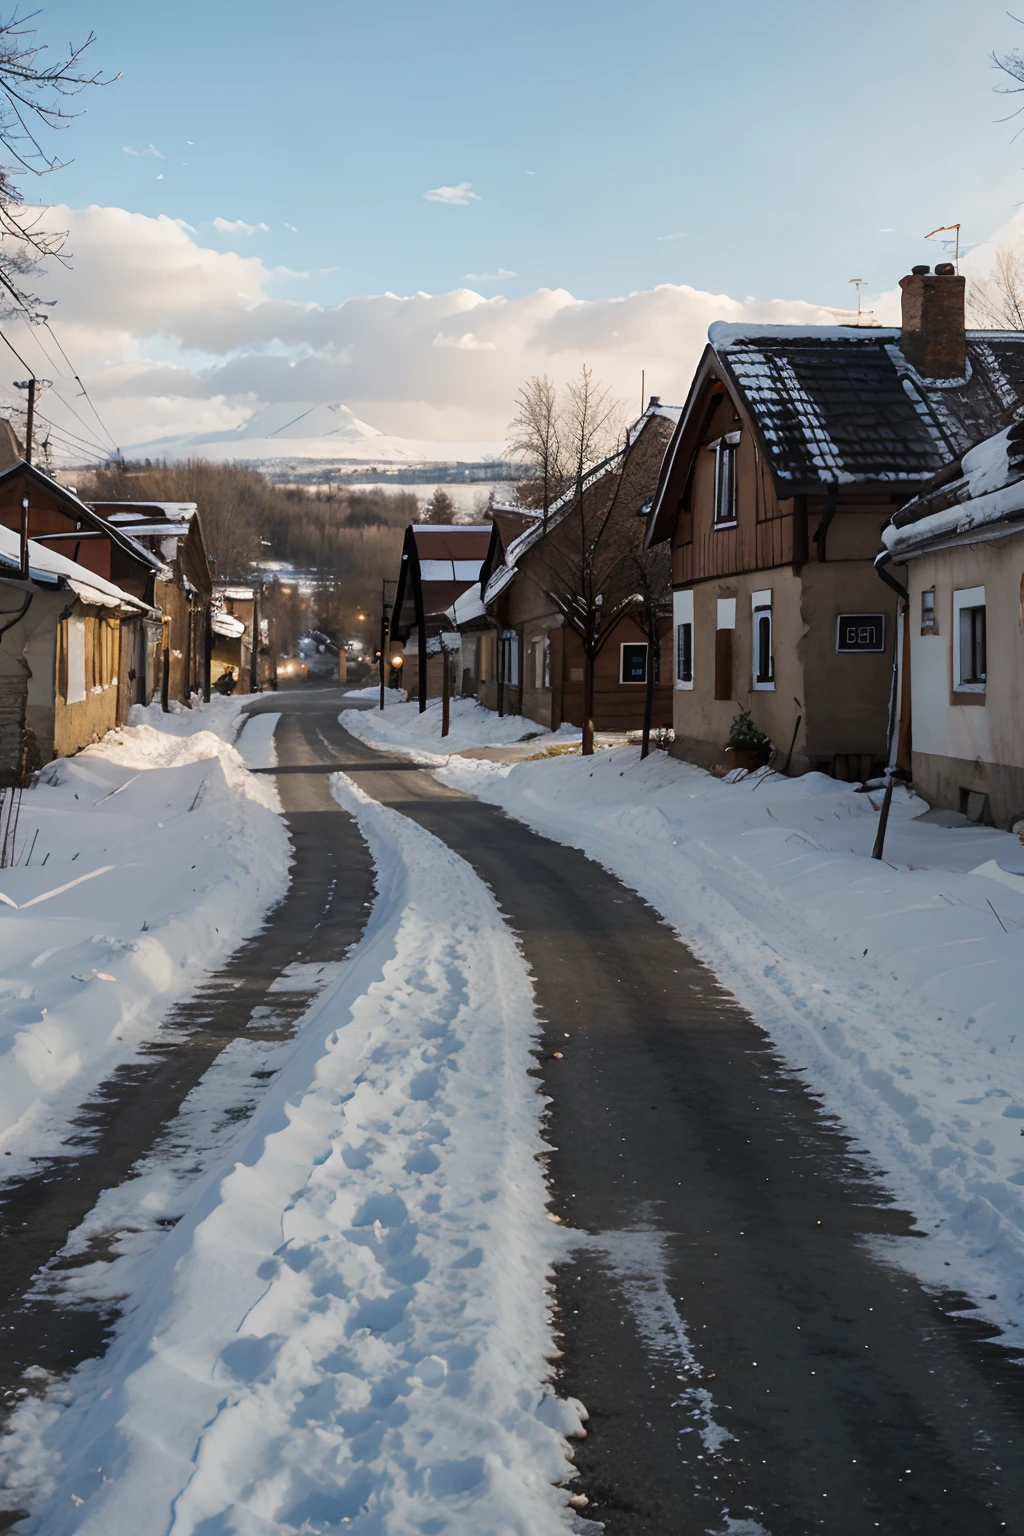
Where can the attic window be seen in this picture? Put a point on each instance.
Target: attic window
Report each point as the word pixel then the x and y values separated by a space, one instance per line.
pixel 725 479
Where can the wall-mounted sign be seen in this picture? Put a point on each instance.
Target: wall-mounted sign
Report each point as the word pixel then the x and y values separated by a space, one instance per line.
pixel 860 632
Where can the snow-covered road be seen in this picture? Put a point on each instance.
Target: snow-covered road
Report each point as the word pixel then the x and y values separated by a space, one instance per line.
pixel 349 1325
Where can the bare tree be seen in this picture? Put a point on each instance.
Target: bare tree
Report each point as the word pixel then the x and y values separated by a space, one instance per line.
pixel 33 93
pixel 535 438
pixel 651 572
pixel 996 302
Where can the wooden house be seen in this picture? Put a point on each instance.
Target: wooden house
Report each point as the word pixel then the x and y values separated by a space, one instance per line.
pixel 182 586
pixel 62 640
pixel 958 550
pixel 439 563
pixel 530 661
pixel 794 448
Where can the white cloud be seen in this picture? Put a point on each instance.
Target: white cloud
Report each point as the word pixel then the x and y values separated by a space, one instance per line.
pixel 467 342
pixel 679 235
pixel 172 336
pixel 235 226
pixel 489 277
pixel 150 149
pixel 461 194
pixel 292 228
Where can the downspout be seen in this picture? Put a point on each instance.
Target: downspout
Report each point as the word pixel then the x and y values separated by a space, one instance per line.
pixel 895 689
pixel 821 532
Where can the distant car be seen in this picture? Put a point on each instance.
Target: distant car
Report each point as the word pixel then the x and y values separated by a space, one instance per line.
pixel 292 669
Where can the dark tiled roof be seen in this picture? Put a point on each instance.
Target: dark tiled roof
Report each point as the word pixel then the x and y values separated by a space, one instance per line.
pixel 845 405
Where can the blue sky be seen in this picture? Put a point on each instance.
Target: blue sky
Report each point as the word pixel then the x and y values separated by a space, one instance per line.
pixel 769 150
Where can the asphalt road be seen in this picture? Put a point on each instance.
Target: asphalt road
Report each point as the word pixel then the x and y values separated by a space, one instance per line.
pixel 729 1240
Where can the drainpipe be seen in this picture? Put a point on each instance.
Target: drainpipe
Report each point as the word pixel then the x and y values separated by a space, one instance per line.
pixel 821 532
pixel 881 561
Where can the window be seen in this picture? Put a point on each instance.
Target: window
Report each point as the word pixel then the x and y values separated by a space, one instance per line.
pixel 633 662
pixel 682 618
pixel 510 658
pixel 725 480
pixel 969 641
pixel 537 648
pixel 928 624
pixel 684 653
pixel 546 675
pixel 764 655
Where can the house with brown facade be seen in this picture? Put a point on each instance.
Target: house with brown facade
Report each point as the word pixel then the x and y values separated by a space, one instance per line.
pixel 529 660
pixel 64 634
pixel 182 586
pixel 795 447
pixel 440 562
pixel 958 549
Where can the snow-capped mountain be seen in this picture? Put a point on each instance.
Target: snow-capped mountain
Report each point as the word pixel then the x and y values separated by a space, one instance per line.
pixel 330 432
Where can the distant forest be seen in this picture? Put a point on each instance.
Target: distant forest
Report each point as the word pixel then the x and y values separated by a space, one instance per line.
pixel 347 539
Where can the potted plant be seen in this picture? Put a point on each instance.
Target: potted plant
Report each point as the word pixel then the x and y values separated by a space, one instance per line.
pixel 747 747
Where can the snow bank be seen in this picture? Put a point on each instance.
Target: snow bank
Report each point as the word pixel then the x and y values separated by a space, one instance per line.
pixel 401 728
pixel 391 695
pixel 348 1328
pixel 895 986
pixel 143 861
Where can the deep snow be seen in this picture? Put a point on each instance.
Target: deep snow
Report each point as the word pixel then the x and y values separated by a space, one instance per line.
pixel 470 725
pixel 347 1328
pixel 143 862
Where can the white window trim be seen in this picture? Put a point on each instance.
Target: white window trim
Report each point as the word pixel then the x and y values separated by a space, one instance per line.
pixel 761 605
pixel 632 682
pixel 682 613
pixel 730 439
pixel 75 693
pixel 967 597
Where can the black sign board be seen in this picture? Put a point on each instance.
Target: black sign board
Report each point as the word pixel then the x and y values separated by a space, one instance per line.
pixel 860 632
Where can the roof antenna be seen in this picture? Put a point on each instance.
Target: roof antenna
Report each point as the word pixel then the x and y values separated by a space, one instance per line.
pixel 945 229
pixel 643 389
pixel 858 283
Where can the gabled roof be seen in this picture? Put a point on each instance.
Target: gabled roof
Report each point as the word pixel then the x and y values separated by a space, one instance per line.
pixel 49 568
pixel 974 499
pixel 439 562
pixel 78 510
pixel 843 405
pixel 504 573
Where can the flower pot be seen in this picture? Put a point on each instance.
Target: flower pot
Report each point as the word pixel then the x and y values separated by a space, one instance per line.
pixel 747 757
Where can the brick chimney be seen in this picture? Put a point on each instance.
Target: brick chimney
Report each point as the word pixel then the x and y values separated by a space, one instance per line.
pixel 933 339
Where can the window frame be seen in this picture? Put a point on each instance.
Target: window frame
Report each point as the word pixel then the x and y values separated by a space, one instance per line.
pixel 682 616
pixel 633 682
pixel 933 612
pixel 761 614
pixel 968 600
pixel 726 448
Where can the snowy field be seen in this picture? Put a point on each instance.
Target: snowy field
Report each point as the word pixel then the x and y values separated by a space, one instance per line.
pixel 897 988
pixel 470 725
pixel 348 1327
pixel 139 864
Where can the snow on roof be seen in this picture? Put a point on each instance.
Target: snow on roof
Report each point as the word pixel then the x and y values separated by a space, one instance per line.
pixel 236 594
pixel 227 625
pixel 46 565
pixel 989 491
pixel 843 404
pixel 450 570
pixel 467 607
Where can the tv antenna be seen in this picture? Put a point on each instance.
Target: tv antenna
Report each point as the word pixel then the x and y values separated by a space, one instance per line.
pixel 858 283
pixel 946 229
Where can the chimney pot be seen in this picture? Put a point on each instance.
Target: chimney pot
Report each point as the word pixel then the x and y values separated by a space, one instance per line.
pixel 933 336
pixel 655 402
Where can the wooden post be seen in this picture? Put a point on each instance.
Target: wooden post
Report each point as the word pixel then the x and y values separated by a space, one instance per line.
pixel 649 689
pixel 446 689
pixel 883 820
pixel 383 638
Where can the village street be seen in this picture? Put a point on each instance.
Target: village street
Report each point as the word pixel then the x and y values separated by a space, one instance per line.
pixel 749 1360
